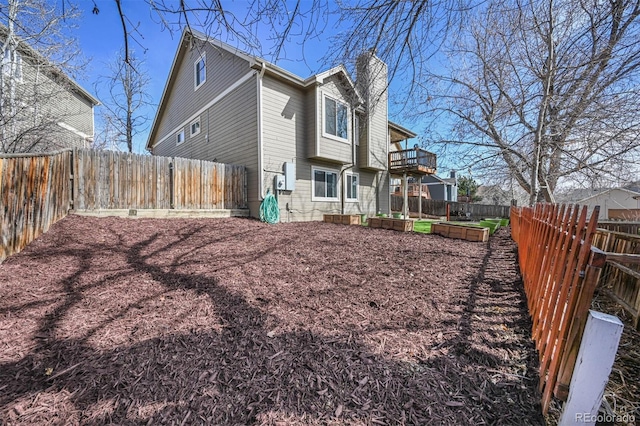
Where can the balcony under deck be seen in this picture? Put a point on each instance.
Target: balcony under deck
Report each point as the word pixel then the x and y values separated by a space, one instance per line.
pixel 413 161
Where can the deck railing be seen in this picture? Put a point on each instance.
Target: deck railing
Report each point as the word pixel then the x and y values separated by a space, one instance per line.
pixel 413 160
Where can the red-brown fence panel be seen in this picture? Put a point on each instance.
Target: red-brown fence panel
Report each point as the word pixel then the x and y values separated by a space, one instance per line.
pixel 560 271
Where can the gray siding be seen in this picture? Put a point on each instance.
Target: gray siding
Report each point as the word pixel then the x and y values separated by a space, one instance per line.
pixel 182 101
pixel 77 112
pixel 286 115
pixel 43 103
pixel 292 132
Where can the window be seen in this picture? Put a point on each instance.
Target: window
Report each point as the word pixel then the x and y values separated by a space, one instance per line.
pixel 200 71
pixel 351 186
pixel 356 139
pixel 11 56
pixel 335 118
pixel 325 185
pixel 180 137
pixel 195 127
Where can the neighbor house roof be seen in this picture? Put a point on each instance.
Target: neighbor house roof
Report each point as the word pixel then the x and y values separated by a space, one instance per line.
pixel 438 180
pixel 31 55
pixel 632 193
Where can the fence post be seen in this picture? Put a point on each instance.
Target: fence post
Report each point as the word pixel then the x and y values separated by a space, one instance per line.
pixel 172 191
pixel 72 178
pixel 595 359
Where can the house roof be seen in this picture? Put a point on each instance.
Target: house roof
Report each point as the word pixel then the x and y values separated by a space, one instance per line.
pixel 634 194
pixel 258 63
pixel 32 55
pixel 399 133
pixel 438 180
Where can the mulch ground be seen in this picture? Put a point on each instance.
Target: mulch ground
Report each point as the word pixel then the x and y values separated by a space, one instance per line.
pixel 231 321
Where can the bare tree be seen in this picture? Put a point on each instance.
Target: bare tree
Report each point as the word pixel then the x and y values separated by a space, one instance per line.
pixel 124 97
pixel 280 21
pixel 543 91
pixel 550 89
pixel 35 90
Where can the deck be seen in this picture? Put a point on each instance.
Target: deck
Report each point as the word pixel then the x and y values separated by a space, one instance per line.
pixel 413 161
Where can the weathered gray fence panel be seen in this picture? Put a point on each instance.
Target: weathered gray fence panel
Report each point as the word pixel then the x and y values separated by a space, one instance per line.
pixel 120 180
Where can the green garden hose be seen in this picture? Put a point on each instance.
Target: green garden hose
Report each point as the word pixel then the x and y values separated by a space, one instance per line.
pixel 269 210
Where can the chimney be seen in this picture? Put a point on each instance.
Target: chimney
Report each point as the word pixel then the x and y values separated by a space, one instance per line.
pixel 453 174
pixel 371 82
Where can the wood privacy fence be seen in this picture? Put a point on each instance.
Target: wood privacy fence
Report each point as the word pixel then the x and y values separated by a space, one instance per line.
pixel 560 270
pixel 34 194
pixel 621 275
pixel 439 207
pixel 39 189
pixel 117 180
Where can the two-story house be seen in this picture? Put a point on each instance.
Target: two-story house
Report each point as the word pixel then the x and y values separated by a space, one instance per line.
pixel 320 144
pixel 41 108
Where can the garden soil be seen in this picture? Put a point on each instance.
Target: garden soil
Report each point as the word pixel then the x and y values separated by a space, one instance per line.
pixel 232 321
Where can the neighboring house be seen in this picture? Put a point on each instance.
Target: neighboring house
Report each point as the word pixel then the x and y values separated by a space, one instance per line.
pixel 42 108
pixel 320 144
pixel 493 195
pixel 615 204
pixel 442 188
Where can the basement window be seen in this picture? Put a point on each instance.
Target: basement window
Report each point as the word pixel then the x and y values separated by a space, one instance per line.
pixel 325 185
pixel 195 127
pixel 351 183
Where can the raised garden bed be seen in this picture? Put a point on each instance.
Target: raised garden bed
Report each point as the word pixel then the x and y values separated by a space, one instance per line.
pixel 469 233
pixel 344 219
pixel 395 224
pixel 492 225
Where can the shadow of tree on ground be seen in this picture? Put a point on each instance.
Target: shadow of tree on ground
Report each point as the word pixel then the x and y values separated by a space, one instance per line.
pixel 271 352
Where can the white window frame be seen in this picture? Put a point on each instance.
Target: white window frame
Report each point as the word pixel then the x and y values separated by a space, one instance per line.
pixel 191 132
pixel 201 58
pixel 6 64
pixel 313 184
pixel 324 118
pixel 347 176
pixel 179 136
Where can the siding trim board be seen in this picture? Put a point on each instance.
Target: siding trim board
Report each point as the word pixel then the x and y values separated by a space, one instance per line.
pixel 215 100
pixel 74 130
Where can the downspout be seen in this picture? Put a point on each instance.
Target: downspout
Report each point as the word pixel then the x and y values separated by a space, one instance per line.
pixel 353 162
pixel 263 68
